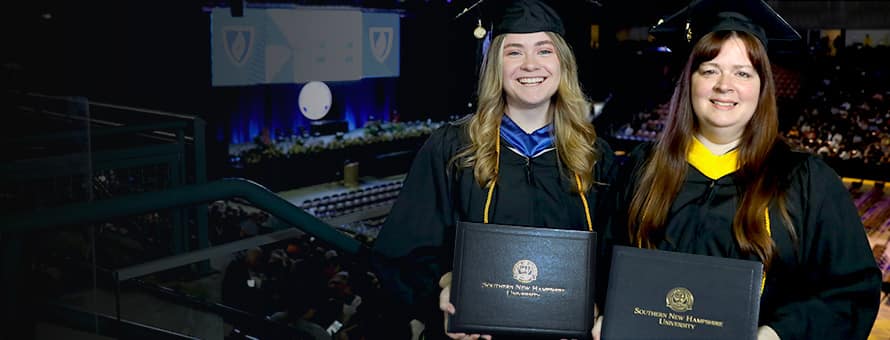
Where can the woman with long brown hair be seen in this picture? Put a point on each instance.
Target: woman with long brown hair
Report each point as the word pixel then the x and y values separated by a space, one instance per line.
pixel 719 181
pixel 529 156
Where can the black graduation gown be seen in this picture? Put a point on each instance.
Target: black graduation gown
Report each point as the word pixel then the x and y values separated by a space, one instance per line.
pixel 826 286
pixel 415 245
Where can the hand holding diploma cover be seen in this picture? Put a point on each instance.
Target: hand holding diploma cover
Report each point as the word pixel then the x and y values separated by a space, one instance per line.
pixel 510 280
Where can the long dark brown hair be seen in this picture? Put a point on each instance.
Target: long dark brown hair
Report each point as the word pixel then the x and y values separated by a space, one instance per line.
pixel 665 170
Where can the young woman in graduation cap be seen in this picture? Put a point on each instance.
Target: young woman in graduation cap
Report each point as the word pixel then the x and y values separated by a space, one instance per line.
pixel 529 156
pixel 719 181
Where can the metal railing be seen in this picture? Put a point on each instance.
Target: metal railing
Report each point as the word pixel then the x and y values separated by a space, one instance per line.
pixel 14 227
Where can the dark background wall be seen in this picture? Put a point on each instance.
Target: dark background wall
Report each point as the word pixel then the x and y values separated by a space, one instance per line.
pixel 157 54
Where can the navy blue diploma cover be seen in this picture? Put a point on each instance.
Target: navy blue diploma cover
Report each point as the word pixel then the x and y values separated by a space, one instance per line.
pixel 655 294
pixel 510 280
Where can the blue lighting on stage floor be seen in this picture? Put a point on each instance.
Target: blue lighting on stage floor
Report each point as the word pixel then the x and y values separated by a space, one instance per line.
pixel 275 107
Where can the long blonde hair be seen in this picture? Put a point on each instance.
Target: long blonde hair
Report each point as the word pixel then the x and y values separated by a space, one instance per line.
pixel 666 168
pixel 574 135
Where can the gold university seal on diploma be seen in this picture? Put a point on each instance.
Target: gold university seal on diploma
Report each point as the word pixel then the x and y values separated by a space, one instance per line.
pixel 513 280
pixel 525 271
pixel 695 297
pixel 679 299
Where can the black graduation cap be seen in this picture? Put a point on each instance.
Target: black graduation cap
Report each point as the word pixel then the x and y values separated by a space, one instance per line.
pixel 529 16
pixel 701 17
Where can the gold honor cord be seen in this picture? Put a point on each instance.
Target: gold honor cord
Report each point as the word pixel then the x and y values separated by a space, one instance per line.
pixel 584 201
pixel 769 232
pixel 497 163
pixel 494 181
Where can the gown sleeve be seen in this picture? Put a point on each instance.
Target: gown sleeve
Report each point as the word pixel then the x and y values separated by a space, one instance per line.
pixel 605 170
pixel 615 229
pixel 410 253
pixel 836 266
pixel 604 175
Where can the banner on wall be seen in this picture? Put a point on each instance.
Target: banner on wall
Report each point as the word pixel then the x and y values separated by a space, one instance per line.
pixel 302 44
pixel 380 35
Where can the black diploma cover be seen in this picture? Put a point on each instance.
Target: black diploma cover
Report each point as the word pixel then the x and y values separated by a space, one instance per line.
pixel 510 280
pixel 656 294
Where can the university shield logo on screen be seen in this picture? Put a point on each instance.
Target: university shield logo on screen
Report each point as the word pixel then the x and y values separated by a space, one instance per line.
pixel 238 41
pixel 381 42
